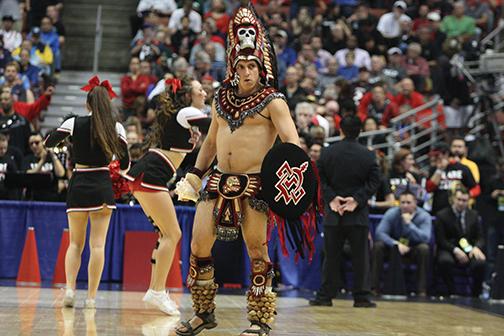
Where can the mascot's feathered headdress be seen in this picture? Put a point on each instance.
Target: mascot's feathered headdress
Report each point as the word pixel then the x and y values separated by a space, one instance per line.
pixel 248 39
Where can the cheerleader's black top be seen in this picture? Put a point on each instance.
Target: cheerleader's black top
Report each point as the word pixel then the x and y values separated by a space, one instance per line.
pixel 84 153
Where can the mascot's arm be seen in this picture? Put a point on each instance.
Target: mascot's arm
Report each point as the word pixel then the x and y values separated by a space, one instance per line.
pixel 281 118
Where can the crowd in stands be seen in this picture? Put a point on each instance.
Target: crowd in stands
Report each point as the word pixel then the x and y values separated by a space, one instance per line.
pixel 375 59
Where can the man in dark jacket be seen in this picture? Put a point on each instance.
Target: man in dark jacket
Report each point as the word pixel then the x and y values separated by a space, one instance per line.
pixel 350 177
pixel 460 241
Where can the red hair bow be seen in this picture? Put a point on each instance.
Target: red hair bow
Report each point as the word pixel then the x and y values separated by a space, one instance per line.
pixel 95 81
pixel 175 83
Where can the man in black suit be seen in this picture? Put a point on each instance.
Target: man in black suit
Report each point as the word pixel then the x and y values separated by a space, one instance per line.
pixel 460 241
pixel 350 176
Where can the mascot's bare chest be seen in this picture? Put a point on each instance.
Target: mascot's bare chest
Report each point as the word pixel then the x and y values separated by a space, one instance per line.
pixel 235 109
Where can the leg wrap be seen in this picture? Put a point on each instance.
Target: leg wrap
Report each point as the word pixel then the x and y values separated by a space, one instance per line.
pixel 203 298
pixel 262 308
pixel 261 272
pixel 199 269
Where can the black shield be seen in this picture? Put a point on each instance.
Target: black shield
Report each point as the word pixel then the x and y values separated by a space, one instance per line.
pixel 288 181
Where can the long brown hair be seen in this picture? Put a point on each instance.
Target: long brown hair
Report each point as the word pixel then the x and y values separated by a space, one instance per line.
pixel 103 123
pixel 399 158
pixel 169 104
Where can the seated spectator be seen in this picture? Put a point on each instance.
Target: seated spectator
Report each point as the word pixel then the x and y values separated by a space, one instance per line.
pixel 146 47
pixel 41 53
pixel 378 63
pixel 7 165
pixel 218 13
pixel 331 75
pixel 19 86
pixel 15 117
pixel 11 38
pixel 5 57
pixel 322 55
pixel 448 174
pixel 361 56
pixel 458 148
pixel 363 24
pixel 457 25
pixel 378 105
pixel 409 228
pixel 318 134
pixel 349 71
pixel 459 238
pixel 336 40
pixel 421 20
pixel 210 29
pixel 314 151
pixel 307 56
pixel 369 125
pixel 44 161
pixel 54 14
pixel 201 45
pixel 158 6
pixel 404 175
pixel 28 70
pixel 217 68
pixel 292 91
pixel 481 13
pixel 409 96
pixel 304 113
pixel 184 37
pixel 186 10
pixel 134 85
pixel 431 50
pixel 389 23
pixel 417 67
pixel 50 37
pixel 282 49
pixel 394 72
pixel 202 65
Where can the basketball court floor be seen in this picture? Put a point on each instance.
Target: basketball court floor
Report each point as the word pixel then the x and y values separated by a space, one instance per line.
pixel 38 311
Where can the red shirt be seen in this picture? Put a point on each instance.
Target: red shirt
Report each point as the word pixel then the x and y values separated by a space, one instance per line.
pixel 414 100
pixel 131 89
pixel 32 110
pixel 221 23
pixel 390 112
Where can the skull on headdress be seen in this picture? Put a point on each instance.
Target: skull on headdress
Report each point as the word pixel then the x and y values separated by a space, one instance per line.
pixel 247 36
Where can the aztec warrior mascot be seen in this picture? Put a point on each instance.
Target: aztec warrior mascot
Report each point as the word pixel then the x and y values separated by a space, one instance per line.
pixel 250 189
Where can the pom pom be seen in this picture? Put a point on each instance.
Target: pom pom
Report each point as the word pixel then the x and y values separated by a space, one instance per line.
pixel 119 183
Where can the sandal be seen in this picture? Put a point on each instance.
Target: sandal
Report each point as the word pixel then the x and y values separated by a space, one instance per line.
pixel 263 330
pixel 208 323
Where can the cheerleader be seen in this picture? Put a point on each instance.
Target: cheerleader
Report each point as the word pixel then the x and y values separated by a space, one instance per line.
pixel 96 138
pixel 174 135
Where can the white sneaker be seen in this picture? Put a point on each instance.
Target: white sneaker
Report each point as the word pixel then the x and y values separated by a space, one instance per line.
pixel 90 304
pixel 69 299
pixel 162 301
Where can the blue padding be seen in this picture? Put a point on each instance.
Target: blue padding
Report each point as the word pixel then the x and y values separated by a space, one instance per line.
pixel 49 220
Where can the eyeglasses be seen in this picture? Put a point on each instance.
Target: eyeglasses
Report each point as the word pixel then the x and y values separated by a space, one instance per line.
pixel 34 143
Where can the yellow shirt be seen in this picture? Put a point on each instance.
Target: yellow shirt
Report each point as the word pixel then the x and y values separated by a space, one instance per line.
pixel 473 167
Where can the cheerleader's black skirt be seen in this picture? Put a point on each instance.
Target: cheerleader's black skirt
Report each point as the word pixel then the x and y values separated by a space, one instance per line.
pixel 90 189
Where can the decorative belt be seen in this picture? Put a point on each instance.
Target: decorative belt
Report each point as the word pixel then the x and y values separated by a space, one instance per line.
pixel 231 189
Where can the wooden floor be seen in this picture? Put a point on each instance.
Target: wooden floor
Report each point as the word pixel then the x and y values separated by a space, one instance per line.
pixel 35 311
